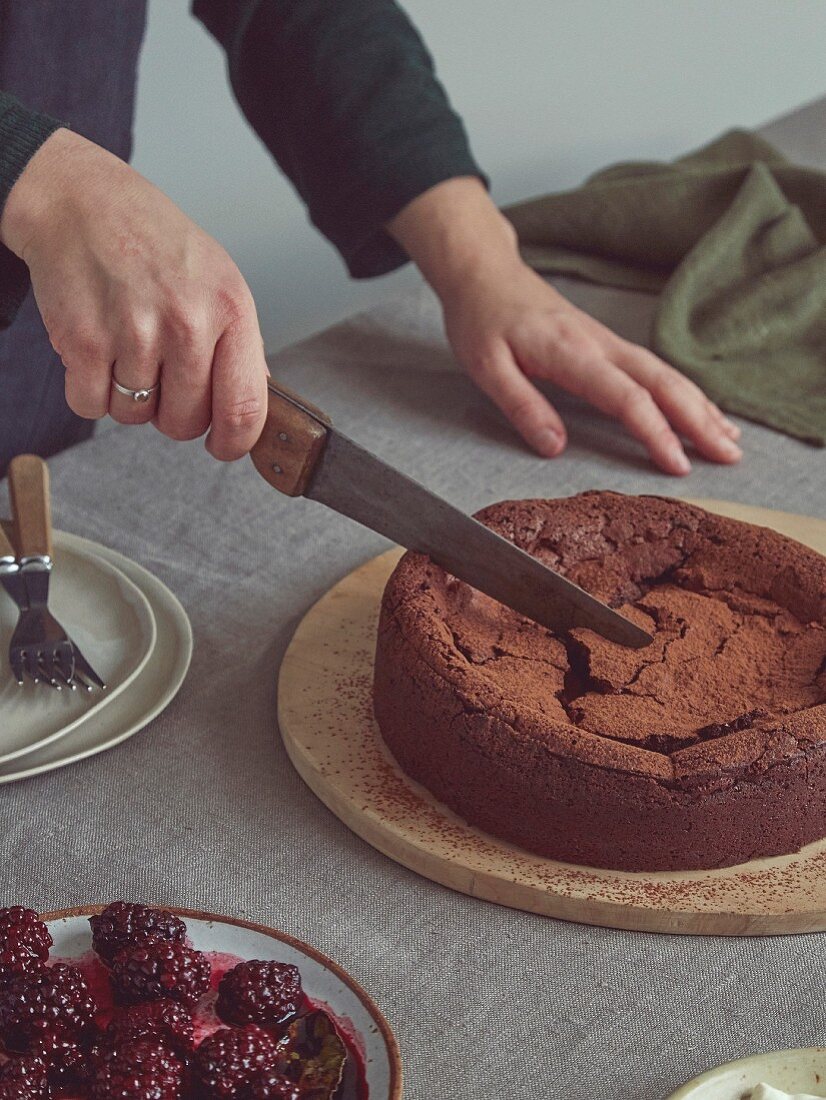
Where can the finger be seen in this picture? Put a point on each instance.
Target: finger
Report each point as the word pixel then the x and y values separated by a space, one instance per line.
pixel 87 357
pixel 136 367
pixel 728 426
pixel 239 391
pixel 615 393
pixel 141 378
pixel 640 363
pixel 684 403
pixel 732 430
pixel 185 398
pixel 87 389
pixel 530 412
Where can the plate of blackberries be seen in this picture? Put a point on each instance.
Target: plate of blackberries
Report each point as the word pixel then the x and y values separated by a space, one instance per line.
pixel 134 1002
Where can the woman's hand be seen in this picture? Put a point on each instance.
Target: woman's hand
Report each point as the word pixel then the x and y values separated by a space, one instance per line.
pixel 130 288
pixel 511 326
pixel 507 325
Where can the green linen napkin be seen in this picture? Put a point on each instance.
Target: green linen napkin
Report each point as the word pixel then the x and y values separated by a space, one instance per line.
pixel 732 238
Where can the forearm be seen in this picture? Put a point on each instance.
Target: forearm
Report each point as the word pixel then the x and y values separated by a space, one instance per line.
pixel 454 233
pixel 22 132
pixel 345 97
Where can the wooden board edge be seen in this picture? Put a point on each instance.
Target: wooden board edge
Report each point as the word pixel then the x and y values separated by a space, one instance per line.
pixel 488 887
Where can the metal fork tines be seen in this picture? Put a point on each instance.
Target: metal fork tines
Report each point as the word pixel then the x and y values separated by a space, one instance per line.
pixel 40 647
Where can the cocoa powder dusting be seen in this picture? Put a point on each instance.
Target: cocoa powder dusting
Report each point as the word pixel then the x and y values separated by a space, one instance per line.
pixel 704 749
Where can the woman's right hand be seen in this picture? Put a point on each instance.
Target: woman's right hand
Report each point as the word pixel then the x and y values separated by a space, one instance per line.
pixel 130 288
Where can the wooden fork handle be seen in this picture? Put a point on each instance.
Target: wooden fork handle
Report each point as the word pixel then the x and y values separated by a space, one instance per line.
pixel 6 548
pixel 292 441
pixel 29 484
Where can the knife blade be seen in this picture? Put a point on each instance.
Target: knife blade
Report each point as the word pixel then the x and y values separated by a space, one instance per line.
pixel 300 453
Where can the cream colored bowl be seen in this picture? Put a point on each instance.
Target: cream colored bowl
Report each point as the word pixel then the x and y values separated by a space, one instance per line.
pixel 792 1071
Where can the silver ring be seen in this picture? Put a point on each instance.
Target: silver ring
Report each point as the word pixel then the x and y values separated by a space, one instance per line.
pixel 140 396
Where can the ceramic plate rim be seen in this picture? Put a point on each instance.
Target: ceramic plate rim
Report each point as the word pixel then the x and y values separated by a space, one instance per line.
pixel 138 574
pixel 370 1006
pixel 110 695
pixel 684 1092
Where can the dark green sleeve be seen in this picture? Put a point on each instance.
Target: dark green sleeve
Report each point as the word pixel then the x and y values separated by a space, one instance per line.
pixel 22 132
pixel 344 95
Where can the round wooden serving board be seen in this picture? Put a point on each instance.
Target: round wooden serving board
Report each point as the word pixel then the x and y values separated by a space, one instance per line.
pixel 326 718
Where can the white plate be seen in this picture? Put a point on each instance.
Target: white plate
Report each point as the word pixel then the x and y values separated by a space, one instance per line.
pixel 322 979
pixel 113 625
pixel 147 695
pixel 792 1071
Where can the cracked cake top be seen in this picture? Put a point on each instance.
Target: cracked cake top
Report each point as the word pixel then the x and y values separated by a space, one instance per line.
pixel 735 676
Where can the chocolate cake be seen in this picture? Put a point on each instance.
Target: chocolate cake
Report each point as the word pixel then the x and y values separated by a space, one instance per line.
pixel 705 749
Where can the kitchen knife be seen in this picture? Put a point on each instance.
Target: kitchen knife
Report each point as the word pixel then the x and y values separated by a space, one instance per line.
pixel 300 453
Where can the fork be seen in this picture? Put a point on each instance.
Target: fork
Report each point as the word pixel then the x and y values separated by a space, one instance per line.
pixel 12 580
pixel 40 647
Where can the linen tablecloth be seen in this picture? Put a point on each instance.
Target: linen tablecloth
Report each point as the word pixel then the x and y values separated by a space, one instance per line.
pixel 203 808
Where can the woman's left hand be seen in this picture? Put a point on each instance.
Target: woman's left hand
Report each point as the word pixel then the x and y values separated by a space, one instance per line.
pixel 508 326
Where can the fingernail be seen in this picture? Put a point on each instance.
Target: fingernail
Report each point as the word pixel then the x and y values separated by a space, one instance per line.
pixel 681 463
pixel 547 442
pixel 729 447
pixel 732 429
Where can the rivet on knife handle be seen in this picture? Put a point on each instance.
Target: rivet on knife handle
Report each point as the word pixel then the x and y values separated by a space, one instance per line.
pixel 29 485
pixel 292 441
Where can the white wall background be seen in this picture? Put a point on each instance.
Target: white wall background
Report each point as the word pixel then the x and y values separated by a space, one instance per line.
pixel 550 91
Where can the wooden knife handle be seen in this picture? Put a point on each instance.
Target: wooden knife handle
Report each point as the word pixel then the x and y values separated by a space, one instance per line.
pixel 292 441
pixel 29 484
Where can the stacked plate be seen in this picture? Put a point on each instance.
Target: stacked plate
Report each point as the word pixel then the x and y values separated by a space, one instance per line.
pixel 133 631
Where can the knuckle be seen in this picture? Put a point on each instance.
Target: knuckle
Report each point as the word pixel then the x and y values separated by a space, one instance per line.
pixel 58 342
pixel 190 368
pixel 635 402
pixel 186 323
pixel 482 366
pixel 139 333
pixel 234 301
pixel 565 334
pixel 241 416
pixel 662 430
pixel 480 355
pixel 520 411
pixel 669 382
pixel 83 345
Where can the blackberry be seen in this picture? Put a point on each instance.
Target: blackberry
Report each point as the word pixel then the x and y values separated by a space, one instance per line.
pixel 62 1053
pixel 121 924
pixel 158 970
pixel 270 1085
pixel 141 1070
pixel 56 996
pixel 24 942
pixel 255 992
pixel 20 1090
pixel 228 1061
pixel 166 1021
pixel 24 1078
